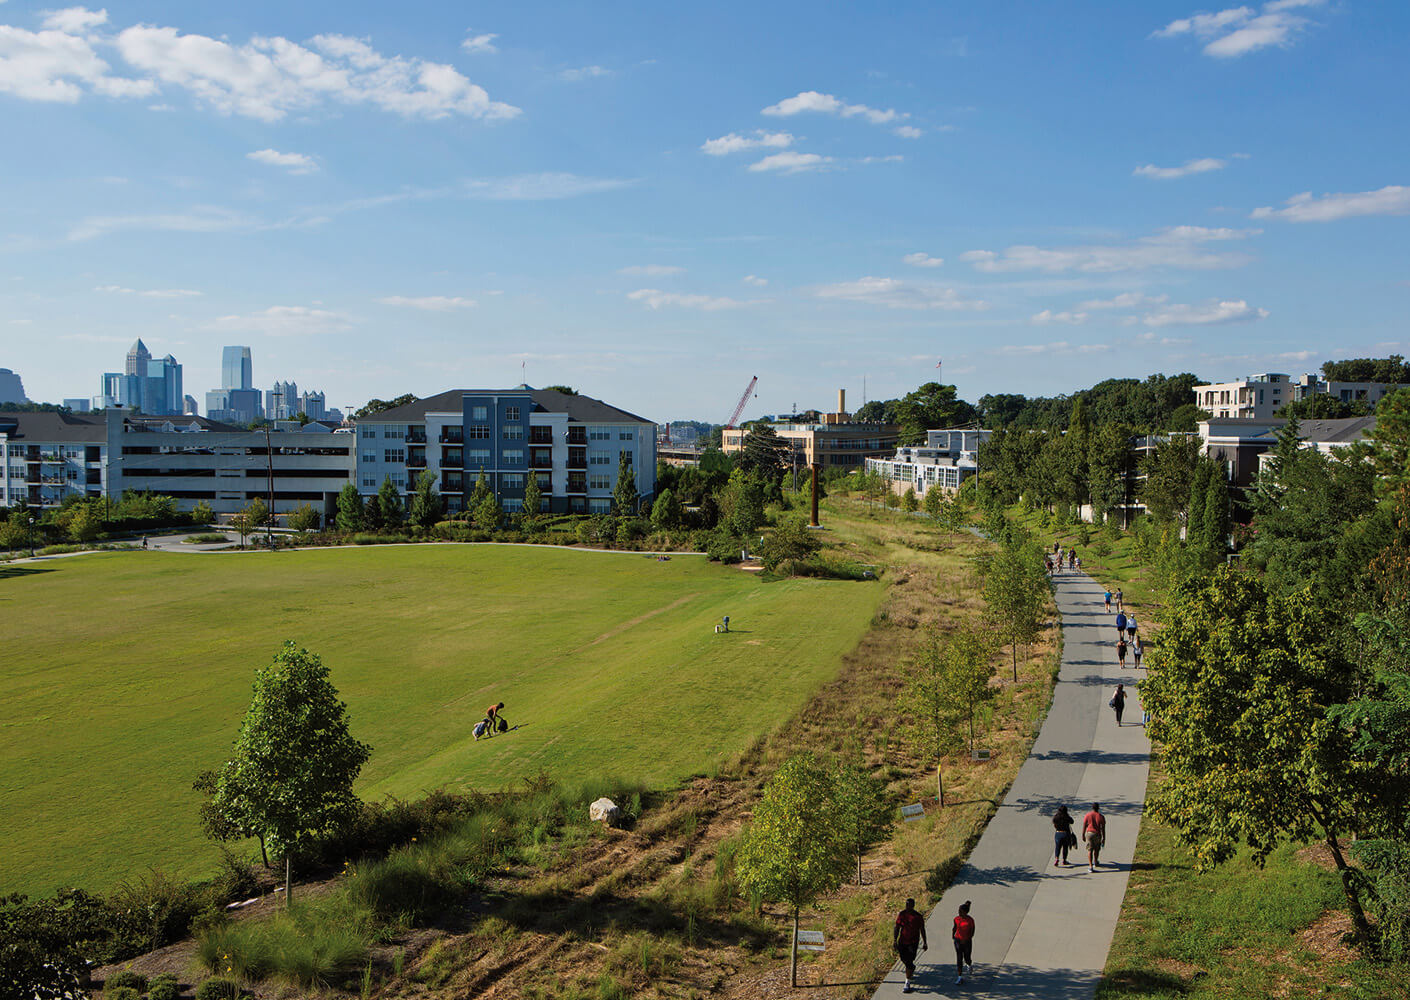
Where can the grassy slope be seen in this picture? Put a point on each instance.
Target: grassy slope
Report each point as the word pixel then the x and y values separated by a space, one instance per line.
pixel 134 669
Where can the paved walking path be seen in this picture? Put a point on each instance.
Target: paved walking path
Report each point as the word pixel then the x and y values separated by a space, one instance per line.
pixel 1044 932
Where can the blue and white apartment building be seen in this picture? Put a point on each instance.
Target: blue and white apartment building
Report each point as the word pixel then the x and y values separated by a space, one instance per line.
pixel 573 444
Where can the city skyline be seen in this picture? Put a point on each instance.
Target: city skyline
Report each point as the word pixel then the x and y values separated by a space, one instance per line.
pixel 1044 198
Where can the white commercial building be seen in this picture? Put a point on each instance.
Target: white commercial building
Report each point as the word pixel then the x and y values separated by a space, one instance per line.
pixel 1259 397
pixel 948 457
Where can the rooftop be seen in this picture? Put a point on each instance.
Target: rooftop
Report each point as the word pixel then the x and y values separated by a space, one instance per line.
pixel 581 409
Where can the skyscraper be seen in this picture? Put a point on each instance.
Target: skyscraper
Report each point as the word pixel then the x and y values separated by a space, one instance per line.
pixel 137 358
pixel 236 371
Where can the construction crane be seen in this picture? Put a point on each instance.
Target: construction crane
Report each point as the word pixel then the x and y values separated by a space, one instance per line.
pixel 748 391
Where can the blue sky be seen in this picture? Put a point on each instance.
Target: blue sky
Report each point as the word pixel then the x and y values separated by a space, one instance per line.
pixel 653 202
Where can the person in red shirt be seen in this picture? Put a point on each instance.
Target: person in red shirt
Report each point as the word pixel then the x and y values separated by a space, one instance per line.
pixel 1094 833
pixel 964 940
pixel 909 932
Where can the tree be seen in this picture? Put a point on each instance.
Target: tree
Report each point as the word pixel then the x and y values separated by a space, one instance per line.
pixel 533 500
pixel 86 523
pixel 926 700
pixel 304 518
pixel 1214 521
pixel 790 540
pixel 666 512
pixel 1240 705
pixel 930 406
pixel 624 495
pixel 379 405
pixel 389 505
pixel 1108 459
pixel 1014 588
pixel 567 390
pixel 291 774
pixel 863 811
pixel 427 505
pixel 350 512
pixel 1170 472
pixel 793 850
pixel 258 513
pixel 1392 370
pixel 1390 441
pixel 743 503
pixel 481 490
pixel 1323 406
pixel 241 523
pixel 765 454
pixel 909 503
pixel 15 532
pixel 202 513
pixel 488 513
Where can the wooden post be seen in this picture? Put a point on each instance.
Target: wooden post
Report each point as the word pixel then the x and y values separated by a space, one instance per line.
pixel 814 522
pixel 288 879
pixel 793 965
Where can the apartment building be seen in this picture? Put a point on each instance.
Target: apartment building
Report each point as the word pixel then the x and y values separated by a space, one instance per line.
pixel 836 441
pixel 1242 445
pixel 948 457
pixel 1259 397
pixel 50 457
pixel 571 443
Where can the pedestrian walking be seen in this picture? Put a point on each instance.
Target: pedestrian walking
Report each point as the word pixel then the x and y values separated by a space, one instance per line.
pixel 1079 566
pixel 905 936
pixel 1120 660
pixel 1072 559
pixel 1120 623
pixel 1094 833
pixel 1136 652
pixel 1119 606
pixel 1063 838
pixel 1118 697
pixel 1131 627
pixel 1108 602
pixel 964 941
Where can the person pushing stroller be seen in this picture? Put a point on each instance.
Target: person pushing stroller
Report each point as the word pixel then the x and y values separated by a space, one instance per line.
pixel 492 723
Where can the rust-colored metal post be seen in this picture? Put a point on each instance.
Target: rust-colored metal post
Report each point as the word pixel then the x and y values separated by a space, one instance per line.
pixel 815 495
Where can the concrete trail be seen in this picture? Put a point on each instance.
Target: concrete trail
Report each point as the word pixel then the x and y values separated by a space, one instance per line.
pixel 1042 931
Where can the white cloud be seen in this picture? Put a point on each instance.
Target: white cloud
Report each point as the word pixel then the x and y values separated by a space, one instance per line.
pixel 284 321
pixel 153 293
pixel 429 303
pixel 755 280
pixel 735 143
pixel 1047 316
pixel 1056 346
pixel 907 132
pixel 893 158
pixel 207 220
pixel 896 294
pixel 1212 313
pixel 652 270
pixel 923 260
pixel 1180 247
pixel 1200 166
pixel 1126 300
pixel 1393 199
pixel 1236 31
pixel 480 43
pixel 295 163
pixel 56 65
pixel 656 299
pixel 791 162
pixel 584 73
pixel 74 20
pixel 541 187
pixel 811 100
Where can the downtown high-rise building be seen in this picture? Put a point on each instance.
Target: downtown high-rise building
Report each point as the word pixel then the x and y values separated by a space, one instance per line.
pixel 236 370
pixel 153 387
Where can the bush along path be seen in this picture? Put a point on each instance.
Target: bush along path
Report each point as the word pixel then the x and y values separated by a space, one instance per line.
pixel 1044 931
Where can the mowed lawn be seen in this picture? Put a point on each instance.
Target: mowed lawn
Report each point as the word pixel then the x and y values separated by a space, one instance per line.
pixel 124 674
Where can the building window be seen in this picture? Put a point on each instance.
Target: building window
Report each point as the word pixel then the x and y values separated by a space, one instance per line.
pixel 626 436
pixel 511 505
pixel 511 413
pixel 514 432
pixel 627 454
pixel 394 455
pixel 514 456
pixel 597 481
pixel 369 432
pixel 369 482
pixel 477 456
pixel 394 433
pixel 479 413
pixel 599 434
pixel 369 456
pixel 599 458
pixel 513 481
pixel 480 432
pixel 599 505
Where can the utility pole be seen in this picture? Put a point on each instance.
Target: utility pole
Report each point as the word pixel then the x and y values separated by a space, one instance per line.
pixel 269 524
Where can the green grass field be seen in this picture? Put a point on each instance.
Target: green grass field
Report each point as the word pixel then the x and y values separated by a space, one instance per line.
pixel 126 673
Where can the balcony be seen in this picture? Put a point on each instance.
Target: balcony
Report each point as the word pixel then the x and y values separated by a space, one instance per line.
pixel 577 435
pixel 416 461
pixel 540 458
pixel 452 435
pixel 452 484
pixel 577 458
pixel 577 484
pixel 540 435
pixel 452 459
pixel 416 435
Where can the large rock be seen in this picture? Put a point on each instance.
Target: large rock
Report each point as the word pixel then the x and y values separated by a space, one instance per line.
pixel 604 810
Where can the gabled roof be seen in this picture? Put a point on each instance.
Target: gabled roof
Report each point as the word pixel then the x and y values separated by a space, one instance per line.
pixel 49 426
pixel 1341 431
pixel 579 408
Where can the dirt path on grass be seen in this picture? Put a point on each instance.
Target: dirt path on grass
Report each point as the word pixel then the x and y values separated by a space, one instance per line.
pixel 634 622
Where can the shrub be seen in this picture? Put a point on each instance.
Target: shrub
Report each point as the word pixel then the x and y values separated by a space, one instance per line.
pixel 363 538
pixel 163 987
pixel 159 907
pixel 120 993
pixel 217 988
pixel 312 945
pixel 722 547
pixel 205 538
pixel 125 977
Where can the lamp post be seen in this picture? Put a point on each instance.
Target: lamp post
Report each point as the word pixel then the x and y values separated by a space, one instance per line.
pixel 31 538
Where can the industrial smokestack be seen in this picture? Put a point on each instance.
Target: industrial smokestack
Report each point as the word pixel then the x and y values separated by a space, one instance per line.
pixel 841 400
